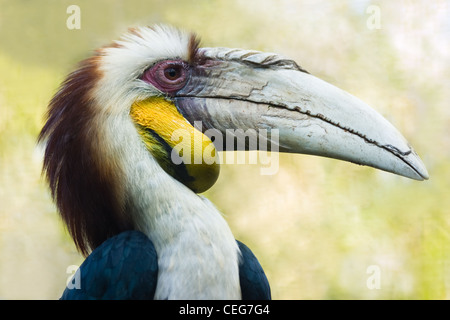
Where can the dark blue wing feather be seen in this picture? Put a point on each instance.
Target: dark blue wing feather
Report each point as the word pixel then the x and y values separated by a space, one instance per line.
pixel 123 267
pixel 126 267
pixel 254 284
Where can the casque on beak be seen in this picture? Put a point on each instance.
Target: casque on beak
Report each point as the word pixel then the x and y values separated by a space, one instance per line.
pixel 240 89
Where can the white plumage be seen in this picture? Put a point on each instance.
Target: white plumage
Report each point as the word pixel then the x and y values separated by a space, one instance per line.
pixel 189 233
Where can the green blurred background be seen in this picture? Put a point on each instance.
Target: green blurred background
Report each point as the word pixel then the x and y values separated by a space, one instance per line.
pixel 317 225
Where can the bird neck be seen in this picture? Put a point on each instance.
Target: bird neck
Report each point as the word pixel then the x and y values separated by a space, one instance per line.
pixel 197 253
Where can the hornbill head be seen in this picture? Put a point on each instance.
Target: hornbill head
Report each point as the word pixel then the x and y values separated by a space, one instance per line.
pixel 156 99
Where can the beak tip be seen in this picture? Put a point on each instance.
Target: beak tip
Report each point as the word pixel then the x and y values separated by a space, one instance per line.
pixel 421 176
pixel 424 174
pixel 417 167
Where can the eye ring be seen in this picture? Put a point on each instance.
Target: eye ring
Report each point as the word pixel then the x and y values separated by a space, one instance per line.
pixel 168 76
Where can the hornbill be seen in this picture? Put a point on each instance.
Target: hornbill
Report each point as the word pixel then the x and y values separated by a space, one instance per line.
pixel 126 183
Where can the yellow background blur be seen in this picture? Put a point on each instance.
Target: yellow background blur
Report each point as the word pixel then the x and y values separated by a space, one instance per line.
pixel 318 225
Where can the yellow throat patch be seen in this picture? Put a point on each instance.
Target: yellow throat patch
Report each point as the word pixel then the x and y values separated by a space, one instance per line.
pixel 181 150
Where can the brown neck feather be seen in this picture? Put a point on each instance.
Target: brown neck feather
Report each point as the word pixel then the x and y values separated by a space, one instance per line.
pixel 85 185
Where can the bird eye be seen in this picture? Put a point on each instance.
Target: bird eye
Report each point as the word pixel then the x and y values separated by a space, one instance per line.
pixel 168 76
pixel 172 73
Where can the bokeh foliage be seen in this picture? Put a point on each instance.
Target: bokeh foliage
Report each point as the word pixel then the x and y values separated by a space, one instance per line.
pixel 316 225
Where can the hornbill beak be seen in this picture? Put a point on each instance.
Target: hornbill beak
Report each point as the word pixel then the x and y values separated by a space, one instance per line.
pixel 239 89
